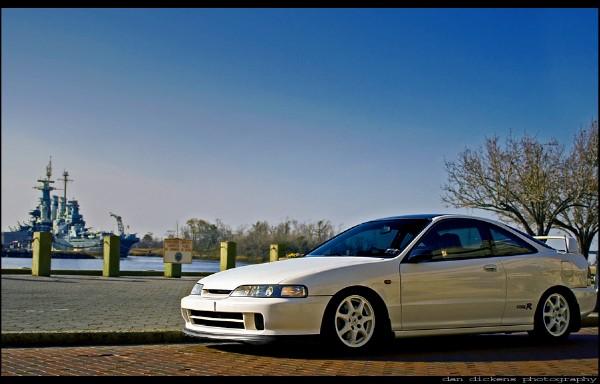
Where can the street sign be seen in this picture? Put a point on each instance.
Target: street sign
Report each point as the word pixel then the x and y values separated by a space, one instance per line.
pixel 177 251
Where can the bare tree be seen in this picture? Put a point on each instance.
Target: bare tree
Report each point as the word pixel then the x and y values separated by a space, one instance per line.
pixel 523 182
pixel 323 231
pixel 581 220
pixel 192 228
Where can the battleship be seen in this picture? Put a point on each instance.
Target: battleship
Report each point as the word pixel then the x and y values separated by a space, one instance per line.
pixel 62 218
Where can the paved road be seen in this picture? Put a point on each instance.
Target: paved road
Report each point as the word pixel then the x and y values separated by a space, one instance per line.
pixel 82 303
pixel 483 355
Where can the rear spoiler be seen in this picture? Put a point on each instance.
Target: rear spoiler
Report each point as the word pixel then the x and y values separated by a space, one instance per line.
pixel 571 244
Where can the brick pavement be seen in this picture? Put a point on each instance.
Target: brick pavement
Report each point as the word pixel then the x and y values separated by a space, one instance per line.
pixel 84 303
pixel 63 310
pixel 483 355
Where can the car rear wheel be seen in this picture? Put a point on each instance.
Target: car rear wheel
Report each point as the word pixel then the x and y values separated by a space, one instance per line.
pixel 553 317
pixel 351 322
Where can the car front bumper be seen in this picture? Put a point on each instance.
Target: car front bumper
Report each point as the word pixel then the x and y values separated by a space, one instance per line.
pixel 225 336
pixel 252 319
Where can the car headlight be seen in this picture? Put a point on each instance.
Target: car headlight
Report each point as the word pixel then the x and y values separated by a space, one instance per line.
pixel 197 290
pixel 270 291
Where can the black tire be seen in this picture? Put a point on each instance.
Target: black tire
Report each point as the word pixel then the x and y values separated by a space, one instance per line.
pixel 554 317
pixel 362 330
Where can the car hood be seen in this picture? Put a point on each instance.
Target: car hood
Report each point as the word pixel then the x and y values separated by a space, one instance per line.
pixel 279 271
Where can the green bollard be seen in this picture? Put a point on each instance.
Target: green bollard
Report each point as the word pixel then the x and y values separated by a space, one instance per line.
pixel 172 270
pixel 276 251
pixel 228 253
pixel 112 245
pixel 42 256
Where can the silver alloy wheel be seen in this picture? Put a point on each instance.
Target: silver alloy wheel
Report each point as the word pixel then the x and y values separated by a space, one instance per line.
pixel 355 321
pixel 556 314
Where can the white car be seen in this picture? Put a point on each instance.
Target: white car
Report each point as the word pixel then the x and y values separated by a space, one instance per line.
pixel 400 276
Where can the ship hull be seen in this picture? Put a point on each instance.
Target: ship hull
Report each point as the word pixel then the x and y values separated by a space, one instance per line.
pixel 71 247
pixel 94 246
pixel 24 253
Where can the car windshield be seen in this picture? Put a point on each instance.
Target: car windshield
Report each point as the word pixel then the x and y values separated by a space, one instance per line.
pixel 382 238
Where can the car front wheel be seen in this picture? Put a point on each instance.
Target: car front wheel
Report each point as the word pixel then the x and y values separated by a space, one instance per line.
pixel 351 322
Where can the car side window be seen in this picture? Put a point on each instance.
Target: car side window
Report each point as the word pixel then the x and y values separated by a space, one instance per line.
pixel 453 239
pixel 506 244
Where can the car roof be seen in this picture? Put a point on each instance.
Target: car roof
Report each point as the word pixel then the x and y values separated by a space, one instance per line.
pixel 439 216
pixel 428 216
pixel 436 216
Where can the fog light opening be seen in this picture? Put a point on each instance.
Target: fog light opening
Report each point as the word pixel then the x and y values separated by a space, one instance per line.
pixel 259 322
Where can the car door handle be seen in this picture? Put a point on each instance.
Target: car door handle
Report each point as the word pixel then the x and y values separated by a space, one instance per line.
pixel 490 268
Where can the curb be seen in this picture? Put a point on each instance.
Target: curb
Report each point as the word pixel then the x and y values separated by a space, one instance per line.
pixel 32 339
pixel 82 272
pixel 82 338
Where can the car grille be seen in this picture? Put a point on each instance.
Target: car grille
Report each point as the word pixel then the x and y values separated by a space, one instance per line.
pixel 218 315
pixel 217 319
pixel 233 320
pixel 219 291
pixel 216 293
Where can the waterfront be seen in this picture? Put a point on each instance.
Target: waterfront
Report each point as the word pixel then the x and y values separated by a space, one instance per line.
pixel 130 263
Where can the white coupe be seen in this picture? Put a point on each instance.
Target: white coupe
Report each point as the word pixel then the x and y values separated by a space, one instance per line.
pixel 400 276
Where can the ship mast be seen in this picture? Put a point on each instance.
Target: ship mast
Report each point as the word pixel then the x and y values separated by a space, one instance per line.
pixel 65 180
pixel 46 223
pixel 45 182
pixel 49 169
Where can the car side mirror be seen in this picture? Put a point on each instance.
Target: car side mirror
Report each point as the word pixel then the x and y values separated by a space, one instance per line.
pixel 419 255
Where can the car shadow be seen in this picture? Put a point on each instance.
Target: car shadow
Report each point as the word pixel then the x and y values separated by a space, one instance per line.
pixel 464 348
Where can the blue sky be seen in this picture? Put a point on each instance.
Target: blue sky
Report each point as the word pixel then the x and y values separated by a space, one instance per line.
pixel 163 115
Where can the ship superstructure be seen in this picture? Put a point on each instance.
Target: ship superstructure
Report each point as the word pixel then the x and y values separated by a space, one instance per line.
pixel 61 217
